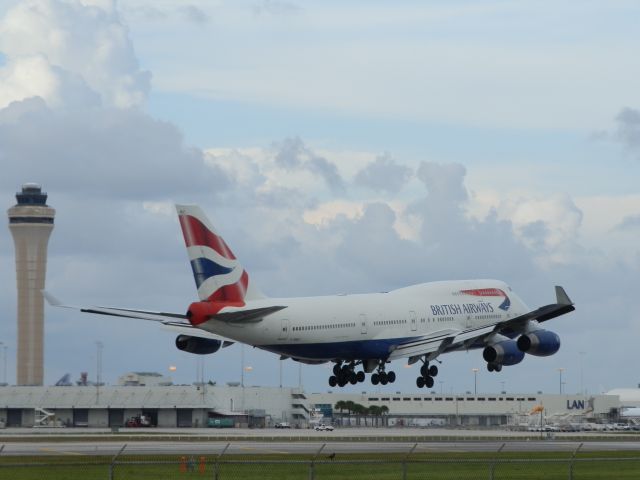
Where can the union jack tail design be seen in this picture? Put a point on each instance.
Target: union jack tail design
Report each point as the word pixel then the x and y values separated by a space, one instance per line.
pixel 218 274
pixel 491 292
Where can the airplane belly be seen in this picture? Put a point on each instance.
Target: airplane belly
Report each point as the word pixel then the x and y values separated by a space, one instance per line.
pixel 345 350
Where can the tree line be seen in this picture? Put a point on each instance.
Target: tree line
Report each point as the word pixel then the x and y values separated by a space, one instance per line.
pixel 376 413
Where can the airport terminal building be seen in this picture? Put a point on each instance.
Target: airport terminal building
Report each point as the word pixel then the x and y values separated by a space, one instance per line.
pixel 170 406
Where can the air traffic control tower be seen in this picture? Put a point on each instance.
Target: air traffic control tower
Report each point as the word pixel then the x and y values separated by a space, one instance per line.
pixel 31 222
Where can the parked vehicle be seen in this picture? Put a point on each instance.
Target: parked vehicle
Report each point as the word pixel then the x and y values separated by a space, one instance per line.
pixel 324 428
pixel 283 425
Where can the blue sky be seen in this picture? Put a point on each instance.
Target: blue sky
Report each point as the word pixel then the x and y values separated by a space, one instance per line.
pixel 505 133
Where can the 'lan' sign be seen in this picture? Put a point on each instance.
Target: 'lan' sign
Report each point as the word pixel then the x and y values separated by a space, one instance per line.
pixel 575 404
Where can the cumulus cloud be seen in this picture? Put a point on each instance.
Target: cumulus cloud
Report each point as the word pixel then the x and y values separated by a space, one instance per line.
pixel 384 174
pixel 629 223
pixel 194 14
pixel 628 129
pixel 107 152
pixel 293 154
pixel 67 52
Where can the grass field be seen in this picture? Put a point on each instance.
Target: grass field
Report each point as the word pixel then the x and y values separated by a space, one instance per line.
pixel 517 466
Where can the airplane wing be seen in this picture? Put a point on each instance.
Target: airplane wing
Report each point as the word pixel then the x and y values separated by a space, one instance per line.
pixel 174 321
pixel 438 342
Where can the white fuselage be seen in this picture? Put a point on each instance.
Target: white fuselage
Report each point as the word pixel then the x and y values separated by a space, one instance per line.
pixel 367 326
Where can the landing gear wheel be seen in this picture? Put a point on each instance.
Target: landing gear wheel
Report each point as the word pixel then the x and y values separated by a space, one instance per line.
pixel 391 377
pixel 424 369
pixel 420 382
pixel 490 367
pixel 360 376
pixel 433 371
pixel 353 380
pixel 336 369
pixel 428 381
pixel 333 381
pixel 375 379
pixel 498 368
pixel 383 378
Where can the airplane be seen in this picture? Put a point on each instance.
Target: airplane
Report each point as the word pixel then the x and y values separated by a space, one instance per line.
pixel 361 333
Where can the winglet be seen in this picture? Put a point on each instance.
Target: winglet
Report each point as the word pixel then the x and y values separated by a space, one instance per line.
pixel 562 297
pixel 51 300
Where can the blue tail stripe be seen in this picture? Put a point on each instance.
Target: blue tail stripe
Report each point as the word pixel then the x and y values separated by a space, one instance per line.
pixel 203 269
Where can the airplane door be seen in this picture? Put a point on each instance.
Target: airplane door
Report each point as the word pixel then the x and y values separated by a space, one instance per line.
pixel 363 323
pixel 413 319
pixel 284 329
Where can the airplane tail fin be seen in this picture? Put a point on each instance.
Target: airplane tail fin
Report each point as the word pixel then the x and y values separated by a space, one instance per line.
pixel 217 272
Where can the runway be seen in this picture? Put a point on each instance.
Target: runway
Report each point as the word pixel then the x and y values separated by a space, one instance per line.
pixel 97 447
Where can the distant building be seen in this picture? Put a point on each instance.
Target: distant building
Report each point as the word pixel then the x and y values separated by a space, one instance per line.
pixel 144 379
pixel 169 406
pixel 31 223
pixel 258 407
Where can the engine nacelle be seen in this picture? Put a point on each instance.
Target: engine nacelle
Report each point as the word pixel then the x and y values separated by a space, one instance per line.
pixel 503 353
pixel 540 343
pixel 197 345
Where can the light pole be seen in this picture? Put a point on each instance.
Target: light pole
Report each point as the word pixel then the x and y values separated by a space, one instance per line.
pixel 560 370
pixel 99 346
pixel 4 363
pixel 242 366
pixel 581 373
pixel 475 380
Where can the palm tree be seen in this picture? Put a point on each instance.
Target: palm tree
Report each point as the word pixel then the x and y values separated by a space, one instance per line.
pixel 384 410
pixel 376 412
pixel 349 406
pixel 341 405
pixel 359 409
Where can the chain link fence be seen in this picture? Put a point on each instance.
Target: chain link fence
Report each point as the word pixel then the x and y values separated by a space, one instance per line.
pixel 414 464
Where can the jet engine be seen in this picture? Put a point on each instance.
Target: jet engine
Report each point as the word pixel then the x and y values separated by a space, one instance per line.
pixel 503 353
pixel 540 343
pixel 197 345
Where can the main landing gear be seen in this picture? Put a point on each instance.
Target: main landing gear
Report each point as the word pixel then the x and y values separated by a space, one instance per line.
pixel 383 377
pixel 343 374
pixel 427 373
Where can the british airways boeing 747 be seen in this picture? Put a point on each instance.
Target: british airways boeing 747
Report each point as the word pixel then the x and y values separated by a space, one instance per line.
pixel 361 334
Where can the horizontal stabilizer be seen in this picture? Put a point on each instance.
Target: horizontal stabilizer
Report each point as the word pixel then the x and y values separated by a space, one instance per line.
pixel 253 315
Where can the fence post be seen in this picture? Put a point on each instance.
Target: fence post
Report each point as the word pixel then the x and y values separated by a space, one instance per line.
pixel 492 467
pixel 1 448
pixel 573 457
pixel 215 463
pixel 404 461
pixel 312 473
pixel 113 461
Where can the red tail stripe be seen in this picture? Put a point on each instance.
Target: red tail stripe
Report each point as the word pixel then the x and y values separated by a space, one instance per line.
pixel 196 234
pixel 485 292
pixel 231 293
